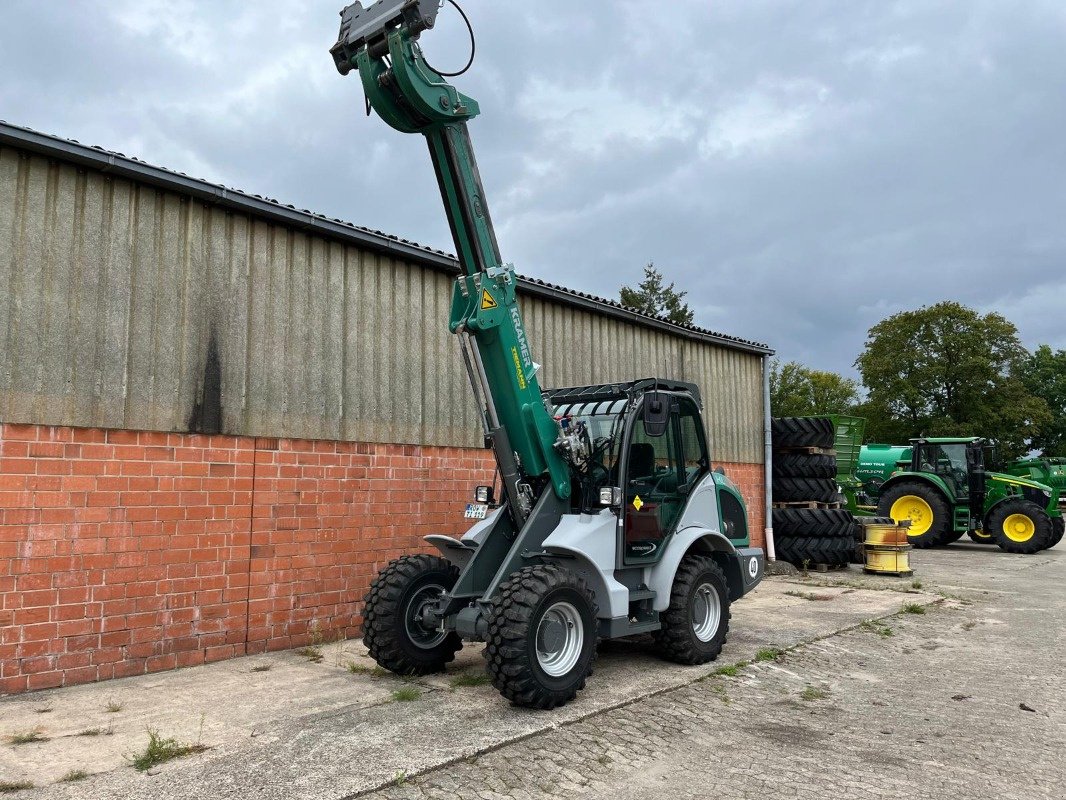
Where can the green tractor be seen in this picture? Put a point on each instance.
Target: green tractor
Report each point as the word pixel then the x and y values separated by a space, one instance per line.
pixel 942 487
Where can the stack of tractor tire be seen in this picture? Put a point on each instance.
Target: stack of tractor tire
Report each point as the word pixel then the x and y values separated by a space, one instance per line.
pixel 810 527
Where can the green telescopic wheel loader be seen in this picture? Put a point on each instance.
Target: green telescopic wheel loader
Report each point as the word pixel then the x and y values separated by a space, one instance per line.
pixel 609 522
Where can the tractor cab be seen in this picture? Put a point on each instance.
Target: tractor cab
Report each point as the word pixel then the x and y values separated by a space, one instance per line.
pixel 960 465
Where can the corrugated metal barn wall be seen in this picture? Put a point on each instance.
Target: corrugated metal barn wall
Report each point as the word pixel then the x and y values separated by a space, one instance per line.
pixel 128 306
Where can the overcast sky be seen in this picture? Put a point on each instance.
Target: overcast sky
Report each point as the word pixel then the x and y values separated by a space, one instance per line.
pixel 803 167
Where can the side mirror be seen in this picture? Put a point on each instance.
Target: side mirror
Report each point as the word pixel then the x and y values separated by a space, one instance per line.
pixel 656 414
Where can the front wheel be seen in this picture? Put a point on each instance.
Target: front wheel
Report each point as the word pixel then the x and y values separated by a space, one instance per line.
pixel 1019 526
pixel 980 537
pixel 695 624
pixel 542 637
pixel 392 629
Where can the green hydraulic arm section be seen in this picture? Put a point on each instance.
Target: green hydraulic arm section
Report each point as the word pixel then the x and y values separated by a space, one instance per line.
pixel 381 42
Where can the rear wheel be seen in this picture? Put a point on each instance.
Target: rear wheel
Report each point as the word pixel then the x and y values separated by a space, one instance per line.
pixel 542 637
pixel 1019 526
pixel 802 432
pixel 1058 525
pixel 925 508
pixel 695 625
pixel 392 627
pixel 980 537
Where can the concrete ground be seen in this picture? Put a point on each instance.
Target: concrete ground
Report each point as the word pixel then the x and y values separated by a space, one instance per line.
pixel 912 705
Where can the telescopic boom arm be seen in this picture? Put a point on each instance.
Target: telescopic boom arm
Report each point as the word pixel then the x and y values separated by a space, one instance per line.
pixel 380 41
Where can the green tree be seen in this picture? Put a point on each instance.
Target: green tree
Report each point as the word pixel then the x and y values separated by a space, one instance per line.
pixel 798 391
pixel 1044 375
pixel 945 370
pixel 653 297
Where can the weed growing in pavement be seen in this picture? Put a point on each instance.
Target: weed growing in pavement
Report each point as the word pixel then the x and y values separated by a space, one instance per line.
pixel 113 706
pixel 806 564
pixel 913 608
pixel 604 760
pixel 261 668
pixel 43 710
pixel 719 690
pixel 406 694
pixel 399 779
pixel 769 654
pixel 916 584
pixel 7 787
pixel 809 595
pixel 873 627
pixel 469 679
pixel 730 671
pixel 108 731
pixel 810 693
pixel 74 775
pixel 969 626
pixel 28 737
pixel 312 654
pixel 162 749
pixel 373 672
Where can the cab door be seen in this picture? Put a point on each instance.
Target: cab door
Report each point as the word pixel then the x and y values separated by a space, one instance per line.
pixel 660 471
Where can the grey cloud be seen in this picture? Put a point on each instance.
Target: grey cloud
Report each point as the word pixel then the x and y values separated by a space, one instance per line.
pixel 803 168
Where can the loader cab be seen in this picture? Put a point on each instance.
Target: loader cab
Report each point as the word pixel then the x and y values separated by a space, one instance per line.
pixel 665 457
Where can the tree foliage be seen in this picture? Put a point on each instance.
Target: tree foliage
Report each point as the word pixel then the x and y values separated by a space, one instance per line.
pixel 798 391
pixel 653 297
pixel 1044 375
pixel 946 370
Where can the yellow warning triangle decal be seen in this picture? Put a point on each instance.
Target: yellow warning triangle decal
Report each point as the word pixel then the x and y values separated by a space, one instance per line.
pixel 486 300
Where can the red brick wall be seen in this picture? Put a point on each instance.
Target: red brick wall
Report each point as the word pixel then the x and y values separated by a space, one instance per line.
pixel 125 552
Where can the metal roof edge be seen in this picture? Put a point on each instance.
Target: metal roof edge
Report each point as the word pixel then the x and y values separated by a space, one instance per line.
pixel 127 167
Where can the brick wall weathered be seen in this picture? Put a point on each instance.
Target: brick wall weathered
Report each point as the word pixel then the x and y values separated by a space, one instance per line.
pixel 124 552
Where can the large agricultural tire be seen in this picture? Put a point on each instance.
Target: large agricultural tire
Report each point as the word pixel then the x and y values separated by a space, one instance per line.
pixel 804 465
pixel 980 537
pixel 926 508
pixel 953 536
pixel 821 523
pixel 396 597
pixel 798 490
pixel 802 432
pixel 1019 526
pixel 858 553
pixel 695 624
pixel 1058 525
pixel 807 551
pixel 542 636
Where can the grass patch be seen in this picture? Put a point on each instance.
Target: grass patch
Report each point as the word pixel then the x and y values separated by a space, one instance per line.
pixel 6 787
pixel 809 595
pixel 312 654
pixel 108 731
pixel 162 749
pixel 261 668
pixel 113 706
pixel 399 779
pixel 469 679
pixel 811 693
pixel 769 654
pixel 373 672
pixel 916 584
pixel 730 671
pixel 74 775
pixel 28 737
pixel 913 608
pixel 873 627
pixel 406 694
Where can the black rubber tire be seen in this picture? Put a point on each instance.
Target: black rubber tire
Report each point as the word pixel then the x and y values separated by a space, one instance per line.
pixel 1058 526
pixel 513 623
pixel 798 490
pixel 804 465
pixel 979 537
pixel 813 522
pixel 1043 530
pixel 942 525
pixel 858 553
pixel 802 432
pixel 953 536
pixel 385 631
pixel 676 641
pixel 799 549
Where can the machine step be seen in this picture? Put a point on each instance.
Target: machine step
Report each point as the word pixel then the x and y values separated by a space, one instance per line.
pixel 636 595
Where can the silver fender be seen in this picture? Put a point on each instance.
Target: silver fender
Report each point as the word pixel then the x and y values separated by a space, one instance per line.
pixel 589 540
pixel 460 551
pixel 697 538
